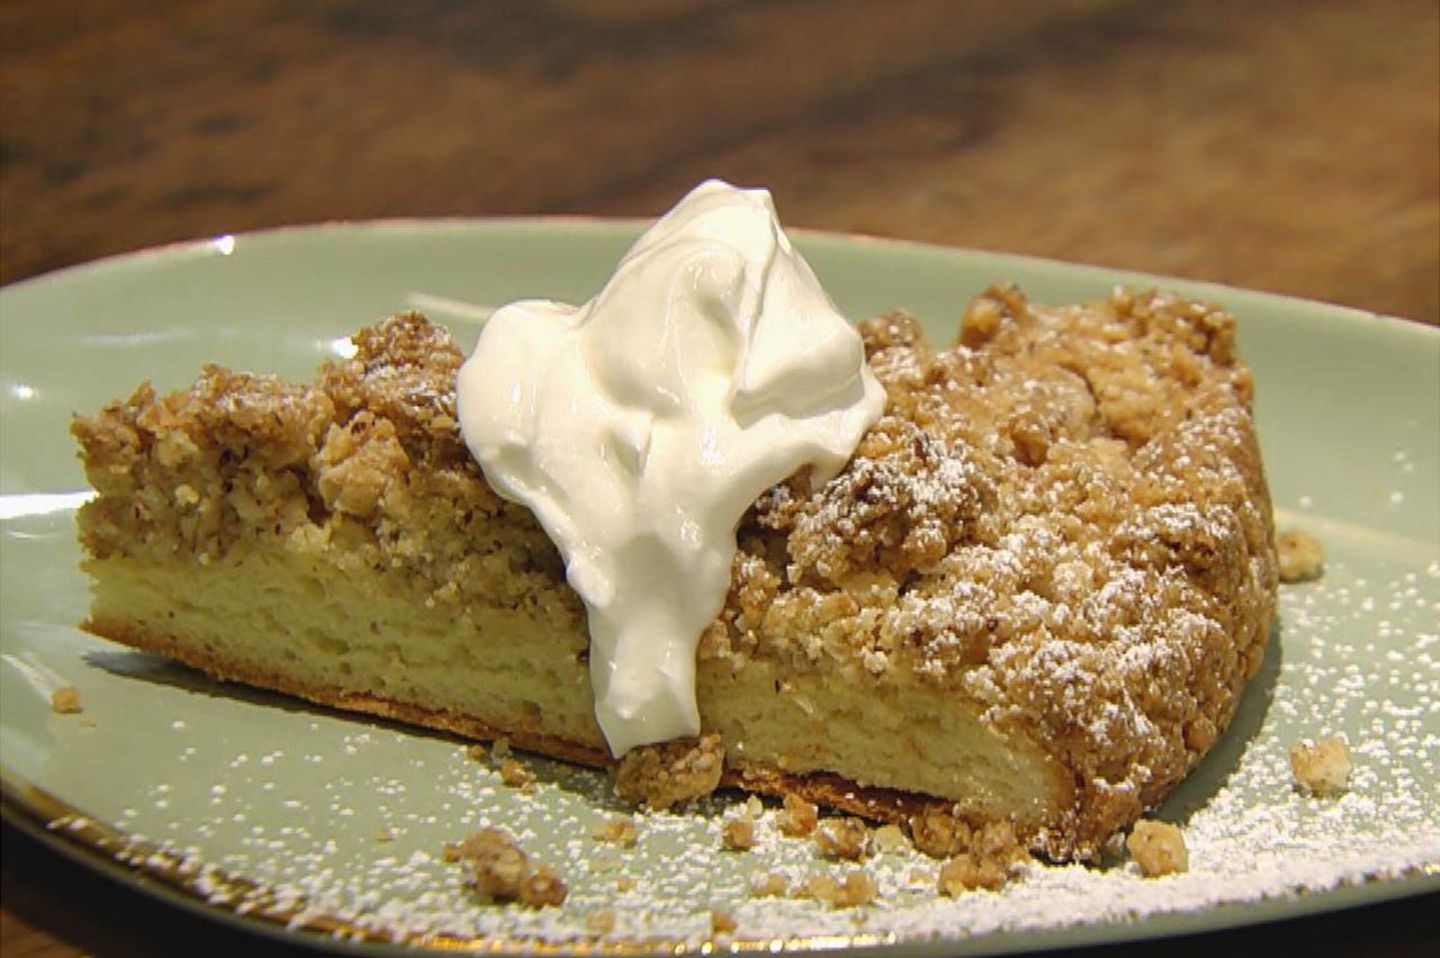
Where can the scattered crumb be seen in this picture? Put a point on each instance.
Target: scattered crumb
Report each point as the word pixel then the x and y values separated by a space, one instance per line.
pixel 515 775
pixel 738 835
pixel 1158 848
pixel 625 883
pixel 754 808
pixel 65 700
pixel 966 872
pixel 939 833
pixel 501 747
pixel 663 775
pixel 600 922
pixel 1301 556
pixel 616 831
pixel 846 838
pixel 798 817
pixel 476 751
pixel 88 721
pixel 858 888
pixel 920 877
pixel 543 887
pixel 1321 768
pixel 889 838
pixel 503 872
pixel 768 885
pixel 385 835
pixel 722 923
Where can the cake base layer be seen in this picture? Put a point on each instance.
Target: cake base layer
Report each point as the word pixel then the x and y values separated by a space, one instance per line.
pixel 284 621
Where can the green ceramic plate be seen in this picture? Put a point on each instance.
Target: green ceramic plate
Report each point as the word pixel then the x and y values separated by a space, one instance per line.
pixel 304 822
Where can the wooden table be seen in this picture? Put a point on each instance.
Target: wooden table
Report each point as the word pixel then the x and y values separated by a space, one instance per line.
pixel 1286 146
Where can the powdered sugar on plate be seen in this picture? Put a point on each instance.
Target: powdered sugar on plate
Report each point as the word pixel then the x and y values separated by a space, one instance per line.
pixel 341 830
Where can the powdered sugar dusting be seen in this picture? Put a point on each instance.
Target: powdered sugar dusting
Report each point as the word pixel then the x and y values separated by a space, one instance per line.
pixel 341 828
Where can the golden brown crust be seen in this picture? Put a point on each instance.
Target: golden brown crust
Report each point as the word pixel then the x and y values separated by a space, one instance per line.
pixel 1061 524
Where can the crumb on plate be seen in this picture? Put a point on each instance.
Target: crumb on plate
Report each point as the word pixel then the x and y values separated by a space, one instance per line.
pixel 797 817
pixel 846 838
pixel 501 871
pixel 672 772
pixel 1322 768
pixel 1301 556
pixel 1158 848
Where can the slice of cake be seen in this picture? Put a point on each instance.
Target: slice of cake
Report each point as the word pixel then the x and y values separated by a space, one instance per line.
pixel 1034 594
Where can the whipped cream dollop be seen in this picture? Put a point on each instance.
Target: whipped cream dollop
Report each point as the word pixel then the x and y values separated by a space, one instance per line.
pixel 639 427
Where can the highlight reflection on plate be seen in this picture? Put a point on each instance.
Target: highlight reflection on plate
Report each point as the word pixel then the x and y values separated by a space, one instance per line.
pixel 291 816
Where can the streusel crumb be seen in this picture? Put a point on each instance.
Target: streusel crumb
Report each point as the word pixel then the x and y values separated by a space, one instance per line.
pixel 768 885
pixel 664 775
pixel 722 923
pixel 1322 768
pixel 1301 556
pixel 738 834
pixel 889 838
pixel 858 888
pixel 1158 848
pixel 66 700
pixel 515 775
pixel 501 871
pixel 966 872
pixel 543 888
pixel 847 838
pixel 616 831
pixel 798 817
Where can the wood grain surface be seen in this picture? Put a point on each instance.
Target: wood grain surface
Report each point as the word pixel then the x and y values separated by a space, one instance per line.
pixel 1286 146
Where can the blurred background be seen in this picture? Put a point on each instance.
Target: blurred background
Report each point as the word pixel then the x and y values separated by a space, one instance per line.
pixel 1285 146
pixel 1291 146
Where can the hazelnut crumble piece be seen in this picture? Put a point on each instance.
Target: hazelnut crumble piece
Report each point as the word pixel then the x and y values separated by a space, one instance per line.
pixel 1158 848
pixel 858 888
pixel 616 831
pixel 722 923
pixel 670 773
pixel 1301 556
pixel 515 775
pixel 503 872
pixel 1322 768
pixel 798 817
pixel 768 885
pixel 846 838
pixel 66 700
pixel 965 873
pixel 889 838
pixel 738 835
